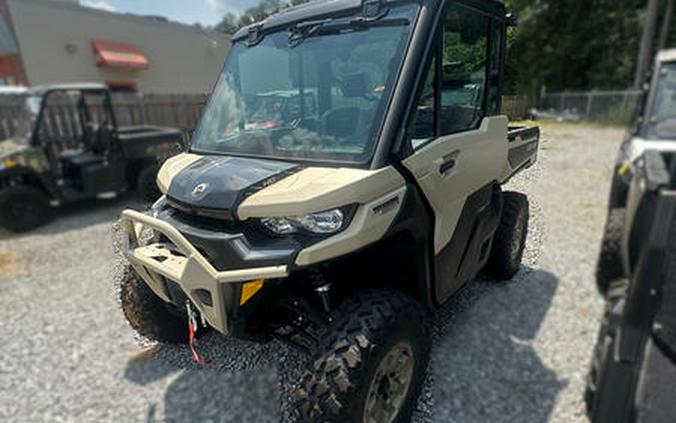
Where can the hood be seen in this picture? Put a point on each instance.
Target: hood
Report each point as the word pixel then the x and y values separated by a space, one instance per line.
pixel 220 183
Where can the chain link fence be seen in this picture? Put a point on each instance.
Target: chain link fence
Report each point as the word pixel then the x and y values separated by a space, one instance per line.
pixel 611 107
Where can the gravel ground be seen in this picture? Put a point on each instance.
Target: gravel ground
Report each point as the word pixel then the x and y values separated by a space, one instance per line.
pixel 504 351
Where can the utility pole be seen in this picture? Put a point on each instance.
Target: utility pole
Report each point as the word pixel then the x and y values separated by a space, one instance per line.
pixel 646 52
pixel 666 24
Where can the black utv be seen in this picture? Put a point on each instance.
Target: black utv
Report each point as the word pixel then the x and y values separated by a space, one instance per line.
pixel 633 373
pixel 57 156
pixel 344 182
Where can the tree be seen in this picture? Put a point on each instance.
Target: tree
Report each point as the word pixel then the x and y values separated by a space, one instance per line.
pixel 231 23
pixel 573 44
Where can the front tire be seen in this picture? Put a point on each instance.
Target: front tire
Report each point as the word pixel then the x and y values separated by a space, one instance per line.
pixel 509 241
pixel 371 365
pixel 23 208
pixel 146 184
pixel 148 314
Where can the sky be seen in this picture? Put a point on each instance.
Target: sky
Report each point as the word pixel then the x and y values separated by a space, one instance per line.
pixel 205 12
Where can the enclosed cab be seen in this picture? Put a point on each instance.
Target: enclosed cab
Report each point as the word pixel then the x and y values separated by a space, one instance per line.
pixel 344 182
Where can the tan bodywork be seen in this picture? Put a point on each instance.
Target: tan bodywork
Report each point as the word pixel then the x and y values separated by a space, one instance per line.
pixel 480 157
pixel 317 189
pixel 310 190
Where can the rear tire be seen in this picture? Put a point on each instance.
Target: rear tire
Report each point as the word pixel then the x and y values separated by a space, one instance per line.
pixel 146 184
pixel 609 265
pixel 377 347
pixel 148 314
pixel 23 208
pixel 510 238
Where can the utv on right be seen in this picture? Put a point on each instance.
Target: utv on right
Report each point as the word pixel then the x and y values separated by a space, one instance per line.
pixel 654 130
pixel 633 370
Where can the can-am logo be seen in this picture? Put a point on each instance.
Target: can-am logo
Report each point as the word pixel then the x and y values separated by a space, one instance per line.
pixel 200 189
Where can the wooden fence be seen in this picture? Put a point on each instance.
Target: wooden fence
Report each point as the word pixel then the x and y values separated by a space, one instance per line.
pixel 61 119
pixel 517 106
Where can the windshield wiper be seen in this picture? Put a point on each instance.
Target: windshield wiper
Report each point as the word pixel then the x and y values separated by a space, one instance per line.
pixel 305 30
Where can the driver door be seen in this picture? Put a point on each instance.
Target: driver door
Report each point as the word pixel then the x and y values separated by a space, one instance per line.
pixel 460 144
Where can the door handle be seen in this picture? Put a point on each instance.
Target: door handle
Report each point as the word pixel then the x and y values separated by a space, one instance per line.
pixel 448 163
pixel 447 166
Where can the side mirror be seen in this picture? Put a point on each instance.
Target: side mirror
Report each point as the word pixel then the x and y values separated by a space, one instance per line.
pixel 511 20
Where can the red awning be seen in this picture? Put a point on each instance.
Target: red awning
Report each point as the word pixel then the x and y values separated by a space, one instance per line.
pixel 119 55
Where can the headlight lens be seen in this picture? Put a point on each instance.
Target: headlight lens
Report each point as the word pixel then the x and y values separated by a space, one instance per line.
pixel 279 225
pixel 326 222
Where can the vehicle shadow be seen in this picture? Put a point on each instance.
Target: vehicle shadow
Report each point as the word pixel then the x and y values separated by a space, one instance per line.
pixel 485 366
pixel 244 382
pixel 81 215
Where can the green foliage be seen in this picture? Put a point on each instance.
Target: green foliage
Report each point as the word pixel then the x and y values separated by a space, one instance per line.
pixel 231 23
pixel 573 44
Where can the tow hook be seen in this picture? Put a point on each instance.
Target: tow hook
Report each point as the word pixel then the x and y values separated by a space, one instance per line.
pixel 193 327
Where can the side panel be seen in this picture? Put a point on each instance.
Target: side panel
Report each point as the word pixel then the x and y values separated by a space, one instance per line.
pixel 453 167
pixel 467 252
pixel 523 150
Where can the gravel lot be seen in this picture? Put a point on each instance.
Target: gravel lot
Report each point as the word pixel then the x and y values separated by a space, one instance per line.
pixel 512 351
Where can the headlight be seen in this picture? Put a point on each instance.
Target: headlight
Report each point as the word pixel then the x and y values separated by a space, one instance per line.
pixel 326 222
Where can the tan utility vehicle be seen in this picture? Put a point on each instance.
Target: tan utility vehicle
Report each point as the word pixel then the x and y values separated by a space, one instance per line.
pixel 344 183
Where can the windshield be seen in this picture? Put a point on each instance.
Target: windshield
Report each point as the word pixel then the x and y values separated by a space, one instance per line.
pixel 317 96
pixel 26 118
pixel 661 123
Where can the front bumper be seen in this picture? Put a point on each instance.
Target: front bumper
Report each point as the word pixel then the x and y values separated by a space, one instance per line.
pixel 213 292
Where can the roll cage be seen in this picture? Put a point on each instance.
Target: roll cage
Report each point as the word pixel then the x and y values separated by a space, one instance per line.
pixel 84 115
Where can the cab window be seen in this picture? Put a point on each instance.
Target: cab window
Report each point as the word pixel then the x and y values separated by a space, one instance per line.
pixel 462 82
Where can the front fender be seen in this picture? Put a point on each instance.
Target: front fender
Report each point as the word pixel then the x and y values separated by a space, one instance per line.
pixel 25 175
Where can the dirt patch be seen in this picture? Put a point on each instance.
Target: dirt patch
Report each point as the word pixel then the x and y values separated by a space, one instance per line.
pixel 10 265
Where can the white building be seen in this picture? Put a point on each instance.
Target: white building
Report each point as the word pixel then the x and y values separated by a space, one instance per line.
pixel 47 41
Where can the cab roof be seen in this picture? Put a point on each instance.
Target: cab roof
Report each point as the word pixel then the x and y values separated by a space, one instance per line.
pixel 319 9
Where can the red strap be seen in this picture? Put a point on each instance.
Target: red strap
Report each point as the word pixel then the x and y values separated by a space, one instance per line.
pixel 195 355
